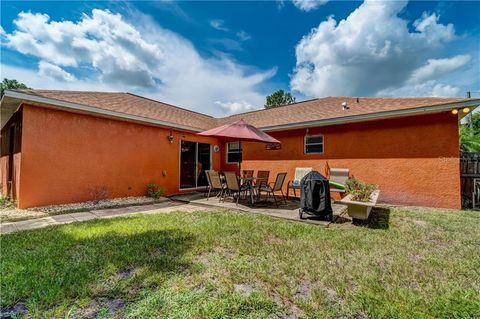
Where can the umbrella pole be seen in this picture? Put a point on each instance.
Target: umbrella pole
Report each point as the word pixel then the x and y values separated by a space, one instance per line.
pixel 240 160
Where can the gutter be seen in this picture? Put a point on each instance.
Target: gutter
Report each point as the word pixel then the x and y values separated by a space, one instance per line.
pixel 373 116
pixel 339 120
pixel 95 110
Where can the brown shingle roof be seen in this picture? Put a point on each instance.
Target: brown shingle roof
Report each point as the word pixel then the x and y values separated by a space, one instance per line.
pixel 311 110
pixel 331 107
pixel 131 104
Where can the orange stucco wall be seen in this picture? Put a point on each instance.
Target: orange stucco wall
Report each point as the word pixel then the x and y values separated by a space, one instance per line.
pixel 413 160
pixel 67 156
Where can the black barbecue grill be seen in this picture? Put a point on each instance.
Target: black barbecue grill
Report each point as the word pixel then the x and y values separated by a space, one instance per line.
pixel 315 196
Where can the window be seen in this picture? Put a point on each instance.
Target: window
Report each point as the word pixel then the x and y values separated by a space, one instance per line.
pixel 314 144
pixel 234 152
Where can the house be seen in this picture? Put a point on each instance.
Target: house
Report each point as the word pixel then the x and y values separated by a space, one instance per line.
pixel 66 146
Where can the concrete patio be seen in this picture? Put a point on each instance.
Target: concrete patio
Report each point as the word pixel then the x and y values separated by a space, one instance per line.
pixel 286 211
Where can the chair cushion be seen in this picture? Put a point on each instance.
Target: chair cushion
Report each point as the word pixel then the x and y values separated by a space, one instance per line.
pixel 336 185
pixel 296 183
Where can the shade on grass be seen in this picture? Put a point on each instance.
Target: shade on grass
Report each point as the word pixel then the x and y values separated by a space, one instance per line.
pixel 232 265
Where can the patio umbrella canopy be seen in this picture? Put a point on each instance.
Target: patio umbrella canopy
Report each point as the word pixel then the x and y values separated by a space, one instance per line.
pixel 240 131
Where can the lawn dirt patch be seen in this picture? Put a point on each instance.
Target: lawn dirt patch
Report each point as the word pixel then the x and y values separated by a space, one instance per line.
pixel 15 311
pixel 244 289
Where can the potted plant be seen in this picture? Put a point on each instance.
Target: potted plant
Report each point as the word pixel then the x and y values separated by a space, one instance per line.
pixel 361 198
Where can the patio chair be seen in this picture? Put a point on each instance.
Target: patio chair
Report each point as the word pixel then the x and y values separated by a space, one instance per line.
pixel 300 173
pixel 209 185
pixel 261 180
pixel 338 175
pixel 214 183
pixel 247 174
pixel 233 185
pixel 277 187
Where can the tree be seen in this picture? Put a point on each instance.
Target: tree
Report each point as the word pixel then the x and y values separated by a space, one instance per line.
pixel 279 98
pixel 11 84
pixel 470 136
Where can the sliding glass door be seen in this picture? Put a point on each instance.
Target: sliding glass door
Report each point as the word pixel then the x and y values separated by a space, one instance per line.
pixel 195 159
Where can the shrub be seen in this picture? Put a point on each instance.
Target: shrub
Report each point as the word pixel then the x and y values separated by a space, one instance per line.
pixel 155 191
pixel 360 191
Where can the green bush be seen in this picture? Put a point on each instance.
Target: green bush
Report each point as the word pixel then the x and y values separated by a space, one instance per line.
pixel 155 191
pixel 360 191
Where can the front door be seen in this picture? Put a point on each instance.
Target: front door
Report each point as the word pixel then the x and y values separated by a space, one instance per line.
pixel 195 159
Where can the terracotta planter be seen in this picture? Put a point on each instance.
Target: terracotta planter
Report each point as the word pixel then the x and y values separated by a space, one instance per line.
pixel 360 210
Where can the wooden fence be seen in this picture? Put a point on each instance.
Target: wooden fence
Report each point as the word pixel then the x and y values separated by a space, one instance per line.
pixel 469 170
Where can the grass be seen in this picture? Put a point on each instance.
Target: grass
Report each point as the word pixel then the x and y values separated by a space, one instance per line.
pixel 234 265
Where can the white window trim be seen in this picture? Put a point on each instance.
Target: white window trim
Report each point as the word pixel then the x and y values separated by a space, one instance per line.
pixel 305 144
pixel 226 152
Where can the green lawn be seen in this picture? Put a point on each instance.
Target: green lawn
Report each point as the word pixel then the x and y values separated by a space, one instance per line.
pixel 233 265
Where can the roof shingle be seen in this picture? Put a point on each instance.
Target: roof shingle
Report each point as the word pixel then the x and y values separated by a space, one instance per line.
pixel 331 107
pixel 131 104
pixel 310 110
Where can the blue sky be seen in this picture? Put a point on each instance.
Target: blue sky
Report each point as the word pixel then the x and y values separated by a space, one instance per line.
pixel 225 57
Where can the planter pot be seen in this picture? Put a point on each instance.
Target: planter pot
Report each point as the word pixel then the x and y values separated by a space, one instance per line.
pixel 360 210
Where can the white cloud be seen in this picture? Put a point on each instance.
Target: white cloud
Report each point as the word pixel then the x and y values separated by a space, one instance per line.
pixel 218 24
pixel 429 88
pixel 37 81
pixel 438 67
pixel 106 51
pixel 227 44
pixel 236 106
pixel 308 5
pixel 369 51
pixel 244 36
pixel 54 72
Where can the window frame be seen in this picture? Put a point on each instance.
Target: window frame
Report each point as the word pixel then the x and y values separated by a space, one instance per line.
pixel 240 150
pixel 305 144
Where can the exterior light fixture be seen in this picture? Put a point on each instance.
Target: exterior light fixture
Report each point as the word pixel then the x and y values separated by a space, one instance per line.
pixel 454 111
pixel 170 137
pixel 466 110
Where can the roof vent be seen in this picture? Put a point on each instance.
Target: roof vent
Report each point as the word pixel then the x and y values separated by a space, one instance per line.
pixel 345 106
pixel 358 99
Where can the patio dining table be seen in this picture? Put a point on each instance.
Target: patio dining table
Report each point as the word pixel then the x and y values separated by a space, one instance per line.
pixel 248 181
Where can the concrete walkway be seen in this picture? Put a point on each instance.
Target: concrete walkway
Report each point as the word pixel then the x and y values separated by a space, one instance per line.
pixel 164 207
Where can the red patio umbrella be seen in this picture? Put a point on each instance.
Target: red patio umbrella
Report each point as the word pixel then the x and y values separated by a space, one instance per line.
pixel 240 131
